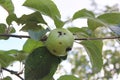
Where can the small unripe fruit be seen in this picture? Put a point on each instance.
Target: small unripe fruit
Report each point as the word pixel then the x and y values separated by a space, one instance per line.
pixel 59 41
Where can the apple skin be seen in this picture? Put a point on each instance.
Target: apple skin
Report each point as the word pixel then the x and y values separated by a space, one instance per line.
pixel 59 41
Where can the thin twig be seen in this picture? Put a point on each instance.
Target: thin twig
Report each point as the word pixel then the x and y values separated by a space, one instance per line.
pixel 25 36
pixel 111 37
pixel 12 72
pixel 17 36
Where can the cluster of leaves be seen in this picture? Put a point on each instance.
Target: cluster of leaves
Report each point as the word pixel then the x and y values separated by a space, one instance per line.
pixel 110 56
pixel 111 65
pixel 34 24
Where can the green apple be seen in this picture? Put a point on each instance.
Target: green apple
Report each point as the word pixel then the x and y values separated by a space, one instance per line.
pixel 59 41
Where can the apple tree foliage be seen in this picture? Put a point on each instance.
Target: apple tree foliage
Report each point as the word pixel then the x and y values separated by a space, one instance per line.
pixel 40 64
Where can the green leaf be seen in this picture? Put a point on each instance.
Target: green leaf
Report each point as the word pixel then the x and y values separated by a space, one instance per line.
pixel 95 23
pixel 2 28
pixel 31 44
pixel 10 52
pixel 37 35
pixel 83 14
pixel 17 55
pixel 92 22
pixel 31 21
pixel 46 7
pixel 5 30
pixel 5 58
pixel 41 65
pixel 31 26
pixel 10 18
pixel 104 20
pixel 12 30
pixel 2 1
pixel 94 50
pixel 110 18
pixel 81 32
pixel 74 29
pixel 20 56
pixel 7 78
pixel 68 77
pixel 8 5
pixel 35 17
pixel 58 22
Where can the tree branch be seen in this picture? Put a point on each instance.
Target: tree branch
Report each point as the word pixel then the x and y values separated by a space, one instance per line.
pixel 12 72
pixel 25 36
pixel 17 36
pixel 111 37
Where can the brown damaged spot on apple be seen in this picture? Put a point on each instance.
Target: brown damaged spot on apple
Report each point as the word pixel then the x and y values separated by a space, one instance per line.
pixel 68 49
pixel 60 43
